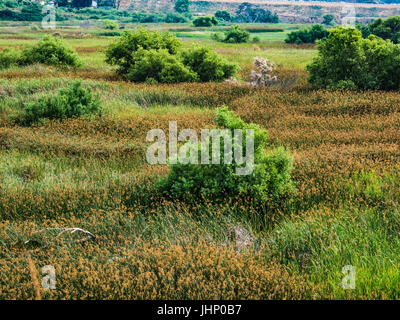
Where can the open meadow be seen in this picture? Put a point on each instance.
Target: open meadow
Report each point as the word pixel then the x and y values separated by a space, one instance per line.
pixel 91 172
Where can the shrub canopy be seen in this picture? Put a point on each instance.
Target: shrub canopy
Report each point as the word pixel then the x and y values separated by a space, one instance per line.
pixel 208 65
pixel 154 57
pixel 236 34
pixel 347 61
pixel 205 22
pixel 269 183
pixel 307 35
pixel 70 102
pixel 159 66
pixel 52 51
pixel 385 29
pixel 120 52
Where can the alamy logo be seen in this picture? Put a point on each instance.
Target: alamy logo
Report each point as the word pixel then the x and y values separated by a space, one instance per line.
pixel 49 279
pixel 215 146
pixel 349 279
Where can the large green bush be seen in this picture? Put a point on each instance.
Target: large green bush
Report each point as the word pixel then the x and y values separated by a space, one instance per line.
pixel 52 51
pixel 347 61
pixel 121 52
pixel 385 29
pixel 70 102
pixel 205 22
pixel 110 24
pixel 223 15
pixel 236 34
pixel 154 57
pixel 307 35
pixel 268 184
pixel 181 6
pixel 159 66
pixel 208 65
pixel 8 58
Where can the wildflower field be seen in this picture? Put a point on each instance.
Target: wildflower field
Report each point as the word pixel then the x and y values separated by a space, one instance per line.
pixel 91 173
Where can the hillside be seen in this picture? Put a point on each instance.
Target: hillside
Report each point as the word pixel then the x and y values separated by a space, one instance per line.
pixel 288 11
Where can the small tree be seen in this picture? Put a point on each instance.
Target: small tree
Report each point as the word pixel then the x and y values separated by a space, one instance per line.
pixel 121 52
pixel 236 35
pixel 181 6
pixel 223 15
pixel 159 66
pixel 153 57
pixel 269 184
pixel 205 22
pixel 52 51
pixel 347 61
pixel 73 101
pixel 328 19
pixel 110 25
pixel 9 58
pixel 208 65
pixel 307 35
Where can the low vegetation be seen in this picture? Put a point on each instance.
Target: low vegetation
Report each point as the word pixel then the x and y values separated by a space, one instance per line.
pixel 324 192
pixel 71 102
pixel 49 50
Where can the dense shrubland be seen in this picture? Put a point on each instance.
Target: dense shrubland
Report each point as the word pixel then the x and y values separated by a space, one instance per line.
pixel 205 21
pixel 143 56
pixel 307 35
pixel 384 28
pixel 70 102
pixel 235 34
pixel 90 171
pixel 347 61
pixel 49 50
pixel 267 180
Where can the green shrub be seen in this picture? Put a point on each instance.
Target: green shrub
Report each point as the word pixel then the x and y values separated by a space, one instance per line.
pixel 223 15
pixel 346 61
pixel 385 29
pixel 380 66
pixel 236 35
pixel 256 40
pixel 181 6
pixel 268 184
pixel 307 35
pixel 175 18
pixel 153 66
pixel 109 34
pixel 146 56
pixel 31 11
pixel 208 65
pixel 217 37
pixel 110 25
pixel 9 58
pixel 205 22
pixel 70 102
pixel 328 19
pixel 252 13
pixel 121 52
pixel 51 51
